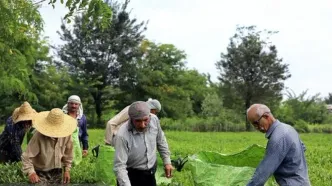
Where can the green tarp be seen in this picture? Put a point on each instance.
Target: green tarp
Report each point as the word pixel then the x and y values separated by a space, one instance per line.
pixel 206 168
pixel 215 169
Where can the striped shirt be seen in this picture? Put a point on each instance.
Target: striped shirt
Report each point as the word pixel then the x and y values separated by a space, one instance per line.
pixel 138 150
pixel 284 158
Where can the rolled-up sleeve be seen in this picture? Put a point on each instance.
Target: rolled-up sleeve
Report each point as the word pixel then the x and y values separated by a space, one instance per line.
pixel 32 151
pixel 275 154
pixel 114 124
pixel 120 162
pixel 162 145
pixel 67 158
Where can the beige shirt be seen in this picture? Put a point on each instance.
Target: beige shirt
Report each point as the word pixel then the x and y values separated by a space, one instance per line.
pixel 114 124
pixel 45 153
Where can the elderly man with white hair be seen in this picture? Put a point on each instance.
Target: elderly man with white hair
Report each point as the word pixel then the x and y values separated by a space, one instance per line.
pixel 114 123
pixel 284 157
pixel 74 108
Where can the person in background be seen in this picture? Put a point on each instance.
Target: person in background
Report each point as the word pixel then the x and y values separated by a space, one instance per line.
pixel 74 108
pixel 135 159
pixel 12 137
pixel 115 123
pixel 50 149
pixel 284 157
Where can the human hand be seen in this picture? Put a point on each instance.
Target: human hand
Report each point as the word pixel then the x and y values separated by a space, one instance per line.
pixel 168 170
pixel 66 177
pixel 84 153
pixel 34 178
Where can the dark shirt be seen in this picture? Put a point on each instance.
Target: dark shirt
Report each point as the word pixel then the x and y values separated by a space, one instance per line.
pixel 83 132
pixel 11 140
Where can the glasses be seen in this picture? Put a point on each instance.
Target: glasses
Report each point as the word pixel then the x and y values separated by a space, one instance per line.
pixel 257 121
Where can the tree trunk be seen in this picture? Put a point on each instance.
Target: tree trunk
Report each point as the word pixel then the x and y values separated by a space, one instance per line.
pixel 98 106
pixel 247 105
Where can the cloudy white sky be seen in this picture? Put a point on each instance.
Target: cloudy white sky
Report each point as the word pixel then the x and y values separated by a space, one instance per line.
pixel 203 28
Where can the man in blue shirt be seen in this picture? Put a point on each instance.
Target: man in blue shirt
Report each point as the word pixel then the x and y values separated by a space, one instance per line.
pixel 284 157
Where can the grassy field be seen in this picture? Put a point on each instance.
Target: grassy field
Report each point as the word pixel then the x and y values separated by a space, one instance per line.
pixel 318 152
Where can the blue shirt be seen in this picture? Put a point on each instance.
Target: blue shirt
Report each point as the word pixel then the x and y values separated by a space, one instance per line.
pixel 284 158
pixel 83 132
pixel 11 140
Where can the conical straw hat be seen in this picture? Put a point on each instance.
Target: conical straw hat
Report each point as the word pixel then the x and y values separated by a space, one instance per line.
pixel 15 114
pixel 54 123
pixel 25 113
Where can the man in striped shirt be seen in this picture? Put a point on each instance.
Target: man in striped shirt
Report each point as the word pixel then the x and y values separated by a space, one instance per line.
pixel 136 145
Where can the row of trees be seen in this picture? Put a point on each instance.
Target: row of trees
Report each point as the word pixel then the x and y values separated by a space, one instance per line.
pixel 110 64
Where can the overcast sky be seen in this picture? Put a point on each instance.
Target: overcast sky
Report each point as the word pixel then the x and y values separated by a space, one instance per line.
pixel 203 28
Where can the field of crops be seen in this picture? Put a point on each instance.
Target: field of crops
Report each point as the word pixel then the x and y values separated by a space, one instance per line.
pixel 318 154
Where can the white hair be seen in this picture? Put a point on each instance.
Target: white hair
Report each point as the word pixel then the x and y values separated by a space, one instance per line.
pixel 260 109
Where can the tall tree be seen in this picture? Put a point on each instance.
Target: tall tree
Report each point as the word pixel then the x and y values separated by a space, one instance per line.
pixel 161 74
pixel 97 10
pixel 328 99
pixel 20 48
pixel 50 84
pixel 250 72
pixel 100 59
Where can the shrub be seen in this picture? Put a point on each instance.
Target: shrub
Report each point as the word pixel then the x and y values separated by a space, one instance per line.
pixel 301 126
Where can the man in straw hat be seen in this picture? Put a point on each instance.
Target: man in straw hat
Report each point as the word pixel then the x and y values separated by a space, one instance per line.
pixel 12 137
pixel 137 141
pixel 115 123
pixel 50 149
pixel 74 108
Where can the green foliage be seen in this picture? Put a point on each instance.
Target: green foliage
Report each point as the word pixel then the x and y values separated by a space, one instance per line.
pixel 96 10
pixel 50 83
pixel 328 99
pixel 227 121
pixel 189 143
pixel 20 49
pixel 310 109
pixel 11 173
pixel 301 126
pixel 84 172
pixel 100 59
pixel 21 24
pixel 161 74
pixel 212 105
pixel 321 128
pixel 250 74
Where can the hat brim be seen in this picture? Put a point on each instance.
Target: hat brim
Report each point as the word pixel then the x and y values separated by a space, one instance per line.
pixel 42 125
pixel 25 117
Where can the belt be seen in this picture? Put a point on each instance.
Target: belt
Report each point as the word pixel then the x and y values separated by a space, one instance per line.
pixel 148 171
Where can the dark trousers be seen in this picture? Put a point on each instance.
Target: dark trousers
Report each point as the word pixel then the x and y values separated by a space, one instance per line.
pixel 142 177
